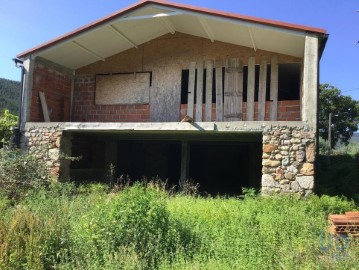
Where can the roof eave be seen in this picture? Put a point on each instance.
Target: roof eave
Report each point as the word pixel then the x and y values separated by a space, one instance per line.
pixel 205 11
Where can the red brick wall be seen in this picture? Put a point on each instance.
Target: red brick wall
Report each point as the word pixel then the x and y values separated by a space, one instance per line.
pixel 85 109
pixel 57 89
pixel 288 110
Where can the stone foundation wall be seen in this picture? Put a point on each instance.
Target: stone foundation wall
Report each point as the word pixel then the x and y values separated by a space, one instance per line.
pixel 288 160
pixel 48 142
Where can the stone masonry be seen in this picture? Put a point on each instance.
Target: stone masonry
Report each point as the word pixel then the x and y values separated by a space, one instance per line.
pixel 288 160
pixel 48 142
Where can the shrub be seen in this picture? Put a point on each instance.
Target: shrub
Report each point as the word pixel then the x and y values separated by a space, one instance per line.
pixel 324 147
pixel 7 122
pixel 136 221
pixel 21 172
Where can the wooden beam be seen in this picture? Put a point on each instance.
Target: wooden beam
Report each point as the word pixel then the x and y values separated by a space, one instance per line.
pixel 185 156
pixel 191 90
pixel 45 110
pixel 199 100
pixel 209 85
pixel 262 89
pixel 165 22
pixel 250 88
pixel 168 25
pixel 88 50
pixel 206 28
pixel 240 89
pixel 228 89
pixel 310 80
pixel 274 89
pixel 252 38
pixel 219 91
pixel 122 35
pixel 233 90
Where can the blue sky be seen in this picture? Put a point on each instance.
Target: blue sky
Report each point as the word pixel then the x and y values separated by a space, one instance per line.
pixel 25 24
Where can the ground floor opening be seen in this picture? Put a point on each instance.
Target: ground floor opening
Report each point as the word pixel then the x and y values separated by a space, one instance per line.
pixel 221 164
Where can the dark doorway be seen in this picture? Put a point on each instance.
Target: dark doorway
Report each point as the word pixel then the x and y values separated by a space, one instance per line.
pixel 223 168
pixel 150 159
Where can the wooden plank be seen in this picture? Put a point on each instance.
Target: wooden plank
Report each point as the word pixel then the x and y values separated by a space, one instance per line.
pixel 209 86
pixel 228 90
pixel 250 89
pixel 122 89
pixel 199 100
pixel 45 110
pixel 240 90
pixel 165 94
pixel 191 90
pixel 185 154
pixel 233 94
pixel 219 91
pixel 262 90
pixel 274 89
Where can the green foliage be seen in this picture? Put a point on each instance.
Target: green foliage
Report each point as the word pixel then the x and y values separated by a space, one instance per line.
pixel 338 174
pixel 324 147
pixel 345 113
pixel 9 95
pixel 142 227
pixel 7 122
pixel 20 173
pixel 351 149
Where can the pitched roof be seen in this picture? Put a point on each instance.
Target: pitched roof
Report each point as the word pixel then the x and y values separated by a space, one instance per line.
pixel 128 24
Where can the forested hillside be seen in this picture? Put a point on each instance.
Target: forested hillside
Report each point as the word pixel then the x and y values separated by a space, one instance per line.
pixel 9 95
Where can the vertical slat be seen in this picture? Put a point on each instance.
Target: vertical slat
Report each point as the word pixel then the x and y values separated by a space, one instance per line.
pixel 45 110
pixel 228 90
pixel 199 101
pixel 209 79
pixel 219 91
pixel 274 88
pixel 250 89
pixel 262 90
pixel 191 90
pixel 232 93
pixel 240 89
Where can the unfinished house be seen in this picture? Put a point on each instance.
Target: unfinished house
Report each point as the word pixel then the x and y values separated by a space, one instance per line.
pixel 178 92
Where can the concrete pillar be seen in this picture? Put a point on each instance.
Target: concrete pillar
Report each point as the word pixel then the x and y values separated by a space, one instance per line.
pixel 110 164
pixel 27 91
pixel 185 155
pixel 310 81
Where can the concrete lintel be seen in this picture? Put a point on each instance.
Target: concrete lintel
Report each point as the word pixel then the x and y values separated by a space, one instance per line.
pixel 235 126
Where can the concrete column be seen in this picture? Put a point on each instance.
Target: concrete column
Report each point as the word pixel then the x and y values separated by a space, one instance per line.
pixel 310 81
pixel 110 164
pixel 185 155
pixel 27 91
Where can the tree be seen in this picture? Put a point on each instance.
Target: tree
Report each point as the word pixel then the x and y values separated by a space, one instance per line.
pixel 7 121
pixel 345 114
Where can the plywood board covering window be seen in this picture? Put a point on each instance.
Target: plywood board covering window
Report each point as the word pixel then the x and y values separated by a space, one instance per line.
pixel 115 89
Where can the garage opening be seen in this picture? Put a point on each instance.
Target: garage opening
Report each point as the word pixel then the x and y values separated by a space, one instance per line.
pixel 221 165
pixel 223 168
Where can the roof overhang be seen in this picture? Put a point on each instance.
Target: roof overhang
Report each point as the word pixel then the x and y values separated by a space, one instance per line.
pixel 151 19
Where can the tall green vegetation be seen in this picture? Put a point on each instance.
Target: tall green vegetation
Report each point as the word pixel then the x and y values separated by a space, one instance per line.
pixel 21 173
pixel 7 122
pixel 9 95
pixel 144 227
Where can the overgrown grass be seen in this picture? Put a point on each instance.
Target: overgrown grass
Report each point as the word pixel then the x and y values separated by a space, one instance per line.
pixel 143 227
